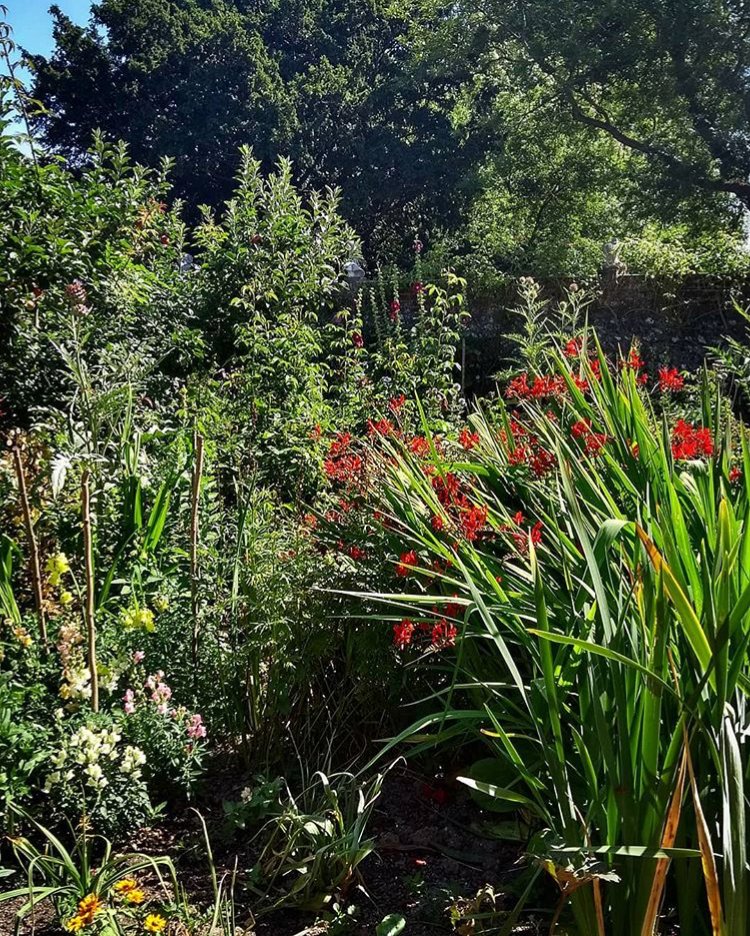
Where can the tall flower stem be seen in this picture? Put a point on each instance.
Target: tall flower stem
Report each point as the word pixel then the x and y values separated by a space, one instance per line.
pixel 88 554
pixel 197 475
pixel 36 575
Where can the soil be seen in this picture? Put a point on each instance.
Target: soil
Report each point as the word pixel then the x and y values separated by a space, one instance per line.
pixel 432 849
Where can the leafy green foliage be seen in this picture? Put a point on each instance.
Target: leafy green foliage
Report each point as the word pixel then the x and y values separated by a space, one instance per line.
pixel 201 80
pixel 597 656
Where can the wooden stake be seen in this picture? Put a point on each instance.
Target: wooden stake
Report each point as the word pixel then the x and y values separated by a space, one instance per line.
pixel 197 475
pixel 36 574
pixel 88 555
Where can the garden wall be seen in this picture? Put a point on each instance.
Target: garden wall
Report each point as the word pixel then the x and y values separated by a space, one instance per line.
pixel 676 321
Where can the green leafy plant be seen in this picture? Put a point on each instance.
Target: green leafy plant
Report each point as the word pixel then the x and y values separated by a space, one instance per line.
pixel 601 633
pixel 313 848
pixel 89 885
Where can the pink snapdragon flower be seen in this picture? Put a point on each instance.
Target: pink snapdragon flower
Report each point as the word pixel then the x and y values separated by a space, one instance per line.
pixel 129 700
pixel 196 729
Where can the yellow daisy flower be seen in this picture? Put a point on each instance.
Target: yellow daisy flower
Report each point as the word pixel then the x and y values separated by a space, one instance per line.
pixel 154 923
pixel 125 885
pixel 88 908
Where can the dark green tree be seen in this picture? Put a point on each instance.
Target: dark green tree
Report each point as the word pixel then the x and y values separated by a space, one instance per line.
pixel 329 83
pixel 668 80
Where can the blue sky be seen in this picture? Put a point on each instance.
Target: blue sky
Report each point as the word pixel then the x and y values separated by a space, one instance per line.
pixel 32 23
pixel 32 30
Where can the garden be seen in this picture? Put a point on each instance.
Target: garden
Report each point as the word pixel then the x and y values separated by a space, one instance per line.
pixel 307 629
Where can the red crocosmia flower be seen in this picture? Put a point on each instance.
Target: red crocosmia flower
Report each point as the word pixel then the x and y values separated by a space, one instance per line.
pixel 340 444
pixel 397 403
pixel 573 347
pixel 521 537
pixel 403 633
pixel 453 610
pixel 443 634
pixel 357 340
pixel 596 368
pixel 311 521
pixel 346 468
pixel 315 433
pixel 437 523
pixel 383 427
pixel 521 455
pixel 634 361
pixel 468 439
pixel 689 442
pixel 542 462
pixel 595 442
pixel 670 380
pixel 393 310
pixel 518 388
pixel 581 383
pixel 551 386
pixel 472 520
pixel 420 446
pixel 406 563
pixel 448 489
pixel 356 552
pixel 735 474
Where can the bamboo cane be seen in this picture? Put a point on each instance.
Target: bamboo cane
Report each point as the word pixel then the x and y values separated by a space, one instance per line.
pixel 88 553
pixel 197 475
pixel 36 575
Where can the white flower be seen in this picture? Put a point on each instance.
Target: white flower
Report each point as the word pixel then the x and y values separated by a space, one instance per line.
pixel 96 776
pixel 132 760
pixel 59 757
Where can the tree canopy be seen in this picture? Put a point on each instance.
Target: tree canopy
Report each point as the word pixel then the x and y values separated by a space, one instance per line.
pixel 529 131
pixel 326 83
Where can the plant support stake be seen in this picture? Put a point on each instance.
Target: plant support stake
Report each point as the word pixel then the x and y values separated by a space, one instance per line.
pixel 88 555
pixel 36 575
pixel 197 475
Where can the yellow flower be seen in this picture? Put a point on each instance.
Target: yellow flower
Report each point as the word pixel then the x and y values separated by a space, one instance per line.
pixel 57 566
pixel 66 598
pixel 154 923
pixel 23 636
pixel 74 924
pixel 88 908
pixel 138 619
pixel 125 885
pixel 135 896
